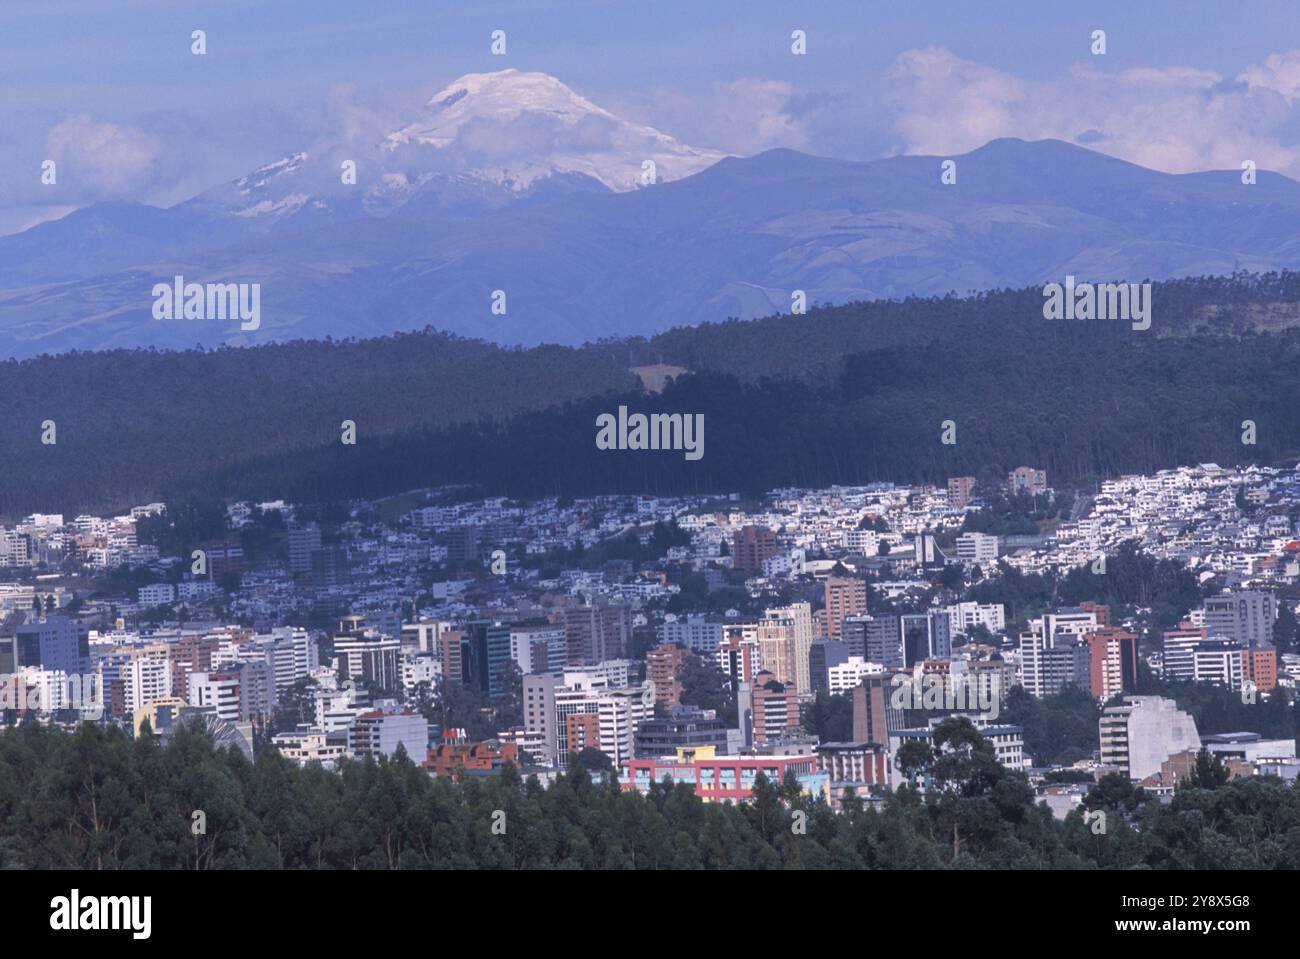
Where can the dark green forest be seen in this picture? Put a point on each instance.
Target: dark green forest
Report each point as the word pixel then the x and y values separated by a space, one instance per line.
pixel 843 394
pixel 95 799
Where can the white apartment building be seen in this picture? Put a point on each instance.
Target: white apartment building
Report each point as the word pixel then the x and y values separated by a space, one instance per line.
pixel 157 594
pixel 962 617
pixel 848 675
pixel 146 679
pixel 1144 732
pixel 977 549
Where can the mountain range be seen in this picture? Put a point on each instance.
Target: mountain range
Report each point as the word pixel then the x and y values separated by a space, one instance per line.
pixel 596 227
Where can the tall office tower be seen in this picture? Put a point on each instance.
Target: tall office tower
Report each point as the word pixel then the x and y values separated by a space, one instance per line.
pixel 874 717
pixel 422 636
pixel 750 545
pixel 1113 655
pixel 1245 616
pixel 463 544
pixel 663 667
pixel 822 657
pixel 1179 647
pixel 452 655
pixel 368 655
pixel 800 618
pixel 883 641
pixel 738 656
pixel 330 566
pixel 304 539
pixel 57 643
pixel 776 649
pixel 925 636
pixel 845 596
pixel 1045 670
pixel 775 708
pixel 489 644
pixel 597 632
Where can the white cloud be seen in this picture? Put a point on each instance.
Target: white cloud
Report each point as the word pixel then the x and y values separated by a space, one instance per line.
pixel 1280 72
pixel 100 160
pixel 1176 119
pixel 743 117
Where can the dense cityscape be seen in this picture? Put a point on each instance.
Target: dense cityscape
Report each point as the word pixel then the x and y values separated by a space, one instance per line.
pixel 813 637
pixel 358 524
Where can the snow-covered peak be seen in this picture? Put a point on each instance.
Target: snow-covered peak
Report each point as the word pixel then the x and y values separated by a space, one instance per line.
pixel 514 128
pixel 484 141
pixel 503 96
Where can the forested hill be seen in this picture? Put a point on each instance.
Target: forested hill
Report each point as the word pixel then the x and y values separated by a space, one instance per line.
pixel 844 394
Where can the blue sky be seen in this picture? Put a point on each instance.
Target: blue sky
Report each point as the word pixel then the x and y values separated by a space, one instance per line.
pixel 1183 86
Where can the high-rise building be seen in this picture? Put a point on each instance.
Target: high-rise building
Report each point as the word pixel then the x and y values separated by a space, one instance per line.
pixel 1244 616
pixel 663 668
pixel 695 631
pixel 581 709
pixel 800 620
pixel 776 650
pixel 538 647
pixel 874 715
pixel 304 539
pixel 1261 667
pixel 845 596
pixel 368 656
pixel 963 617
pixel 750 545
pixel 598 631
pixel 1221 662
pixel 489 646
pixel 1113 661
pixel 847 676
pixel 883 641
pixel 1141 734
pixel 1045 669
pixel 822 657
pixel 775 708
pixel 146 678
pixel 55 644
pixel 422 636
pixel 925 636
pixel 1178 650
pixel 463 544
pixel 959 490
pixel 453 655
pixel 738 656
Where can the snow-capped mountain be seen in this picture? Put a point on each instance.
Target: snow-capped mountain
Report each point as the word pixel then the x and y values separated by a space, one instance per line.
pixel 485 142
pixel 516 128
